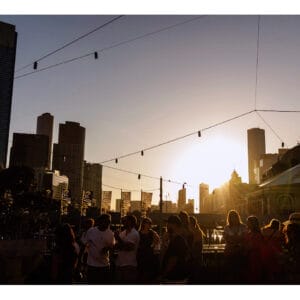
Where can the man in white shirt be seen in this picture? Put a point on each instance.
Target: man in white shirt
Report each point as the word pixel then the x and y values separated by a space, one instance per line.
pixel 127 245
pixel 100 240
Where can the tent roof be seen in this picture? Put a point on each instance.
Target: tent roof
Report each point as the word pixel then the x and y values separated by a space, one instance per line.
pixel 288 177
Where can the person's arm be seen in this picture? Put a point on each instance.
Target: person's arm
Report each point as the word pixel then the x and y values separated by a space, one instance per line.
pixel 123 245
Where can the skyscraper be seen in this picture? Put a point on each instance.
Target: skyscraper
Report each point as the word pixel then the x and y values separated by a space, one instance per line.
pixel 45 126
pixel 29 150
pixel 8 43
pixel 92 180
pixel 68 156
pixel 181 199
pixel 203 197
pixel 256 148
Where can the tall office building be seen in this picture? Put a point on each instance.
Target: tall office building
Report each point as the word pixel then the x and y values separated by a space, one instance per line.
pixel 45 126
pixel 106 201
pixel 181 199
pixel 29 150
pixel 125 203
pixel 92 180
pixel 146 200
pixel 203 198
pixel 256 148
pixel 8 43
pixel 68 156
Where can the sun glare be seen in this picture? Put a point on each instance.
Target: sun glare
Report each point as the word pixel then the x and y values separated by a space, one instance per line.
pixel 212 161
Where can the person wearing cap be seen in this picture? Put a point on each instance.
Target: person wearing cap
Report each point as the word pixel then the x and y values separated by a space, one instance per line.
pixel 174 263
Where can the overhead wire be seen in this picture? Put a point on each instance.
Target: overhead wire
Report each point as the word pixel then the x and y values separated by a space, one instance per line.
pixel 109 47
pixel 178 138
pixel 129 190
pixel 257 62
pixel 70 43
pixel 146 176
pixel 271 128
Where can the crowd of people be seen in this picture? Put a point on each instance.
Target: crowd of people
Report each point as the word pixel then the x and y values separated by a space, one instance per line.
pixel 135 255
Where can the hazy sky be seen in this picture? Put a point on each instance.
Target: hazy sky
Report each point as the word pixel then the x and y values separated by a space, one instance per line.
pixel 162 87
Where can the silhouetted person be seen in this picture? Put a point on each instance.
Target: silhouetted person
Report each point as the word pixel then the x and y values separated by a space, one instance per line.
pixel 273 250
pixel 292 232
pixel 82 259
pixel 100 240
pixel 197 247
pixel 64 259
pixel 234 235
pixel 255 265
pixel 185 228
pixel 148 252
pixel 127 245
pixel 174 264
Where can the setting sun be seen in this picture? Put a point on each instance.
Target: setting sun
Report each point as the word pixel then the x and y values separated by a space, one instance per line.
pixel 212 161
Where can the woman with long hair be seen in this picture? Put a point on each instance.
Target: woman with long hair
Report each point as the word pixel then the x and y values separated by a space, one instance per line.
pixel 64 259
pixel 234 235
pixel 254 252
pixel 148 252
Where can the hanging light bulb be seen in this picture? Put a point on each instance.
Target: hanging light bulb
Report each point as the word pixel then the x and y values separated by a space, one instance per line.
pixel 199 133
pixel 116 160
pixel 96 55
pixel 142 152
pixel 35 64
pixel 282 144
pixel 139 176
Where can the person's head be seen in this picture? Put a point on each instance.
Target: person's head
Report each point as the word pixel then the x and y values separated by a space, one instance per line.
pixel 146 224
pixel 89 223
pixel 129 222
pixel 103 221
pixel 173 224
pixel 233 218
pixel 184 217
pixel 64 235
pixel 275 224
pixel 253 224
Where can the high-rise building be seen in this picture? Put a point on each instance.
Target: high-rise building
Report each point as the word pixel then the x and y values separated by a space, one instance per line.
pixel 68 156
pixel 146 200
pixel 125 203
pixel 45 126
pixel 135 205
pixel 168 207
pixel 29 150
pixel 204 198
pixel 181 199
pixel 106 201
pixel 190 206
pixel 118 205
pixel 92 174
pixel 256 148
pixel 8 43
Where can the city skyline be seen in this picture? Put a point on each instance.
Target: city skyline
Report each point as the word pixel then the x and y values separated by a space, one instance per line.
pixel 133 97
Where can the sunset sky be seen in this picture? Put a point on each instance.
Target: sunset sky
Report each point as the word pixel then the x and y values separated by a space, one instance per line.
pixel 158 88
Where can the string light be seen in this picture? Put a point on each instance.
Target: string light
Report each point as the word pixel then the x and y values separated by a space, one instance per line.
pixel 103 49
pixel 96 55
pixel 139 176
pixel 142 153
pixel 199 133
pixel 72 42
pixel 116 160
pixel 35 64
pixel 144 175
